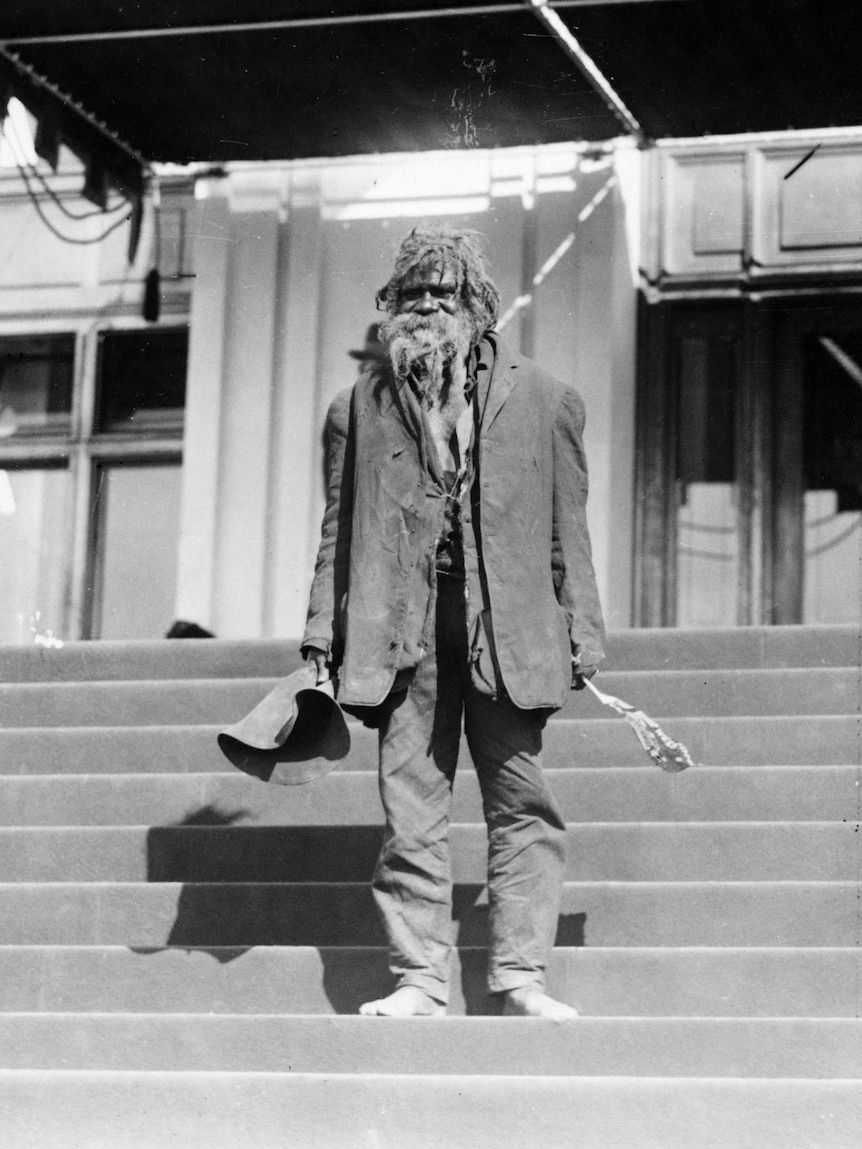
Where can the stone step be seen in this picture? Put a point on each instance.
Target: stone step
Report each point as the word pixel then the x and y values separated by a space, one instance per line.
pixel 114 661
pixel 601 982
pixel 831 690
pixel 151 915
pixel 610 851
pixel 612 794
pixel 717 741
pixel 661 649
pixel 274 1043
pixel 158 1110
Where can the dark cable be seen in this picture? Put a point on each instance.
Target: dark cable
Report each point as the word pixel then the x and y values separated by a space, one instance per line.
pixel 34 171
pixel 73 214
pixel 152 305
pixel 54 230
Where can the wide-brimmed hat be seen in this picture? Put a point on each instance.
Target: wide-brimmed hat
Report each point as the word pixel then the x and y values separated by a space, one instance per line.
pixel 295 734
pixel 373 348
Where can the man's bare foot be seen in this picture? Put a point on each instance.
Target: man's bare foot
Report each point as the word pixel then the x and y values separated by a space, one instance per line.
pixel 407 1001
pixel 531 1002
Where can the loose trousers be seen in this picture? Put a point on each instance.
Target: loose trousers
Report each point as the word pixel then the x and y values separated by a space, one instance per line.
pixel 419 736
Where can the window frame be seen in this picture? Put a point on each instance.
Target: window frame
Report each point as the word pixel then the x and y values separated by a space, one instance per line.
pixel 661 326
pixel 770 464
pixel 84 449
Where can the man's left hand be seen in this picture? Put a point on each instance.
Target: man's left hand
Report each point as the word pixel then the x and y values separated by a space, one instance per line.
pixel 583 667
pixel 580 674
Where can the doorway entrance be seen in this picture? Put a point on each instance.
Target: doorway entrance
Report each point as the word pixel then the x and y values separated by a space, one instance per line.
pixel 750 462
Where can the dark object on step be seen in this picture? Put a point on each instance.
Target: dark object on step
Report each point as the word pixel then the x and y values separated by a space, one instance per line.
pixel 183 629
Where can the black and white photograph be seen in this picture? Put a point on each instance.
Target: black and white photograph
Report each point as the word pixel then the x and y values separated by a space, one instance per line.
pixel 430 574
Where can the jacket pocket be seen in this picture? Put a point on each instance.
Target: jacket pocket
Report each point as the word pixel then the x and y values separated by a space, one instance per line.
pixel 483 657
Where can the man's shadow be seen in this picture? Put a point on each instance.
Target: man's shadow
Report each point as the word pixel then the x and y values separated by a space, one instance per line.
pixel 250 886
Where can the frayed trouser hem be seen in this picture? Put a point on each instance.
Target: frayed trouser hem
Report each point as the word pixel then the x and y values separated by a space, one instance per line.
pixel 516 979
pixel 435 988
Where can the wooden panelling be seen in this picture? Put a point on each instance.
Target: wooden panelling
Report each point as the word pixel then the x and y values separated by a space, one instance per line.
pixel 703 210
pixel 754 210
pixel 808 206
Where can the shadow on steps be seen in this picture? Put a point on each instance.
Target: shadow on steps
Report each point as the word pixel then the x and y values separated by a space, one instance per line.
pixel 248 886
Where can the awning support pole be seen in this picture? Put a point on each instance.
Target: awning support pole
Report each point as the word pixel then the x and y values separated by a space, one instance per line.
pixel 333 20
pixel 586 66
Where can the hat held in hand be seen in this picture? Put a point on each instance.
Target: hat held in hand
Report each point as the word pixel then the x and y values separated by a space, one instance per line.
pixel 296 734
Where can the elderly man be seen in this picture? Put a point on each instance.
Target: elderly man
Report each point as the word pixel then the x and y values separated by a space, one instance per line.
pixel 454 583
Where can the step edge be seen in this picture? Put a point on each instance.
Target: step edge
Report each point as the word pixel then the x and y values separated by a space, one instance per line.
pixel 666 825
pixel 738 951
pixel 343 1020
pixel 840 883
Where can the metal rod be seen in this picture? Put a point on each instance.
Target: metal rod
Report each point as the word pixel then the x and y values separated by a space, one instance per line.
pixel 840 356
pixel 511 8
pixel 586 65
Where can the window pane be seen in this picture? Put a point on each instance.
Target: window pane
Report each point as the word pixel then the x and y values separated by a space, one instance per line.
pixel 833 561
pixel 142 380
pixel 708 556
pixel 832 458
pixel 138 530
pixel 36 385
pixel 34 509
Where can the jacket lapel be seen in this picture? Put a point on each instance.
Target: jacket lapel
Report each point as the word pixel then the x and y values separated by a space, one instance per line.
pixel 494 391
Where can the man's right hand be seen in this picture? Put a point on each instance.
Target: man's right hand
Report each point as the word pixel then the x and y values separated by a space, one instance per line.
pixel 318 657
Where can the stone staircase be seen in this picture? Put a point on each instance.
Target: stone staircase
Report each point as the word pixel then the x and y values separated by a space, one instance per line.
pixel 183 949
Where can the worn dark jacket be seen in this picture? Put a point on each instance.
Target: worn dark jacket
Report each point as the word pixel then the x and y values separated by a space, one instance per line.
pixel 530 586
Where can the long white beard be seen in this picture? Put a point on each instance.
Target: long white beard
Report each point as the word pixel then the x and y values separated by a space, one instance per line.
pixel 424 346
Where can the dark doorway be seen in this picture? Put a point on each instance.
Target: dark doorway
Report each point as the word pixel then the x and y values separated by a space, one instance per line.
pixel 750 462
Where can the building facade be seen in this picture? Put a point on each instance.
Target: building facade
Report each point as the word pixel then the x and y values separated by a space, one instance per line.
pixel 702 295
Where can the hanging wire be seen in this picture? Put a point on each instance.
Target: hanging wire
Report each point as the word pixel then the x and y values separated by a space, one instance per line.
pixel 17 150
pixel 74 214
pixel 34 199
pixel 836 541
pixel 20 154
pixel 152 303
pixel 832 517
pixel 157 221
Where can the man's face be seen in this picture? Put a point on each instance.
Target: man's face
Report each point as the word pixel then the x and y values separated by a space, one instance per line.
pixel 430 328
pixel 427 289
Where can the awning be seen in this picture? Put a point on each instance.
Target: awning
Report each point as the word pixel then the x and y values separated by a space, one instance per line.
pixel 214 81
